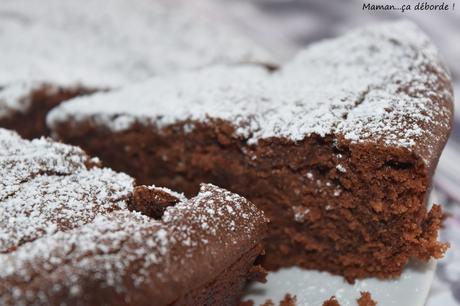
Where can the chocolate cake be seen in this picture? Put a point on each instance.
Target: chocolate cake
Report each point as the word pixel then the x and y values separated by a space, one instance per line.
pixel 56 49
pixel 338 147
pixel 72 233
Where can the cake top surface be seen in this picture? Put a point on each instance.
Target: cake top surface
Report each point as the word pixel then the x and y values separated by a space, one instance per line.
pixel 46 187
pixel 65 228
pixel 132 253
pixel 383 83
pixel 22 160
pixel 65 42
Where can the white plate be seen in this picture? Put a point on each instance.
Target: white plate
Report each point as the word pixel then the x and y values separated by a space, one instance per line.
pixel 312 288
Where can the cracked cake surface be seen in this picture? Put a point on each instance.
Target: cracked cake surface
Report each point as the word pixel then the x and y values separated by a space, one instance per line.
pixel 71 233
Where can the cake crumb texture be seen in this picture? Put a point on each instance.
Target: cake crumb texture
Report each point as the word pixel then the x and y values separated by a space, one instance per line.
pixel 366 299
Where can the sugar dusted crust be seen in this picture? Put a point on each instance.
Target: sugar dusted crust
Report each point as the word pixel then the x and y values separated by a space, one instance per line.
pixel 22 160
pixel 71 233
pixel 40 207
pixel 364 300
pixel 127 255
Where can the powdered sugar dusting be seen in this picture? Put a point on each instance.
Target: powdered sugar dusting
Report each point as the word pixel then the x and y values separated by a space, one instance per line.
pixel 180 196
pixel 383 83
pixel 123 249
pixel 105 248
pixel 67 43
pixel 47 188
pixel 300 213
pixel 341 168
pixel 47 204
pixel 216 210
pixel 21 160
pixel 15 97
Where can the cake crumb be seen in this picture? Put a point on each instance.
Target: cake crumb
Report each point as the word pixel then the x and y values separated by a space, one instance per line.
pixel 289 300
pixel 258 274
pixel 268 303
pixel 366 299
pixel 331 302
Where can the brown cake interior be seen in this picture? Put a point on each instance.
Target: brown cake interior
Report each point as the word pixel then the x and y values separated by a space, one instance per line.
pixel 31 123
pixel 226 289
pixel 351 209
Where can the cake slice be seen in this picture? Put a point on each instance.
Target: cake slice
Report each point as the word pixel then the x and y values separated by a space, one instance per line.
pixel 53 50
pixel 338 147
pixel 72 233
